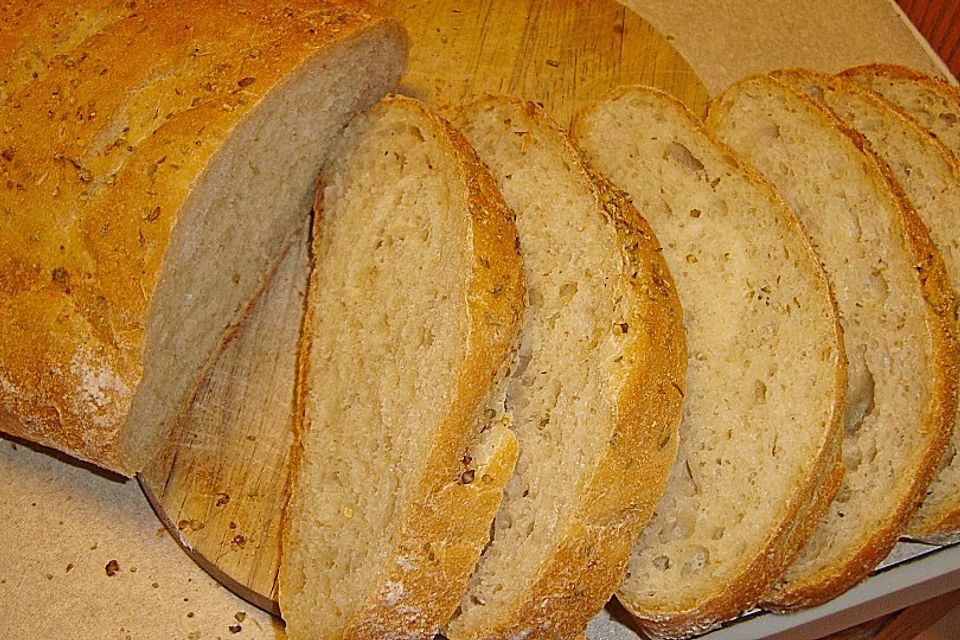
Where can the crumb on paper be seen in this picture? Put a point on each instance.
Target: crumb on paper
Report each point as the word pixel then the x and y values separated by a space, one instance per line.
pixel 193 524
pixel 112 568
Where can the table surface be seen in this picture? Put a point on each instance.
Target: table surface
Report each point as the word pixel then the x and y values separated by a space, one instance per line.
pixel 84 555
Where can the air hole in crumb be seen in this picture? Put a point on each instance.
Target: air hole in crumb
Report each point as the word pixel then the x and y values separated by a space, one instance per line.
pixel 684 156
pixel 567 291
pixel 759 391
pixel 696 559
pixel 417 133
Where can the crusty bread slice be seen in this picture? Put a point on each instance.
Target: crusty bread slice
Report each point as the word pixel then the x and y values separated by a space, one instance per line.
pixel 138 229
pixel 932 101
pixel 595 398
pixel 894 302
pixel 930 176
pixel 414 303
pixel 759 457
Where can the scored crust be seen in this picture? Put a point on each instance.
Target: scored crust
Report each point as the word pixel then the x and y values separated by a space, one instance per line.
pixel 800 591
pixel 443 527
pixel 696 614
pixel 590 554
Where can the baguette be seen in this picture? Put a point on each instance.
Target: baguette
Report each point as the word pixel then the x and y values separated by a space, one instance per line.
pixel 759 457
pixel 154 175
pixel 401 456
pixel 595 398
pixel 895 303
pixel 930 176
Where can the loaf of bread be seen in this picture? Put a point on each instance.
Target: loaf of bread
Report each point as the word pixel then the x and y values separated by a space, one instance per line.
pixel 595 397
pixel 932 101
pixel 759 457
pixel 401 457
pixel 930 176
pixel 895 305
pixel 156 161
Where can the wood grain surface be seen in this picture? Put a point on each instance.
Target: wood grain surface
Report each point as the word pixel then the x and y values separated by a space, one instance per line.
pixel 939 22
pixel 561 53
pixel 221 486
pixel 913 623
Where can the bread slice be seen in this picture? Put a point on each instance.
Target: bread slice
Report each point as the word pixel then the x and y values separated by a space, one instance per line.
pixel 894 302
pixel 155 174
pixel 759 457
pixel 413 305
pixel 930 176
pixel 595 398
pixel 932 101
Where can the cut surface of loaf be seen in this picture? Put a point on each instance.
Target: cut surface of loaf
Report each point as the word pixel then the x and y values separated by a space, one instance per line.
pixel 595 396
pixel 893 297
pixel 930 176
pixel 414 303
pixel 759 456
pixel 932 101
pixel 140 229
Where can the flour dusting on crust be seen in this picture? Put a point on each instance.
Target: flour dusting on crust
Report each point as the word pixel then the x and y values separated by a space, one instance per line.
pixel 99 388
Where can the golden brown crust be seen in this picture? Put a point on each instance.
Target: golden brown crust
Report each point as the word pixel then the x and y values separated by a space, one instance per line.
pixel 938 294
pixel 100 153
pixel 943 529
pixel 938 423
pixel 944 522
pixel 809 503
pixel 31 36
pixel 591 555
pixel 446 522
pixel 896 71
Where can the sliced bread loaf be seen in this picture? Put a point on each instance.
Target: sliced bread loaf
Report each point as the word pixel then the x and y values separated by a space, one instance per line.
pixel 930 176
pixel 155 174
pixel 759 457
pixel 932 101
pixel 595 398
pixel 894 302
pixel 413 305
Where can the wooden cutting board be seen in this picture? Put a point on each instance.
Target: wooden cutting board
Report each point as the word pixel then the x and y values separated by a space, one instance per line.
pixel 221 486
